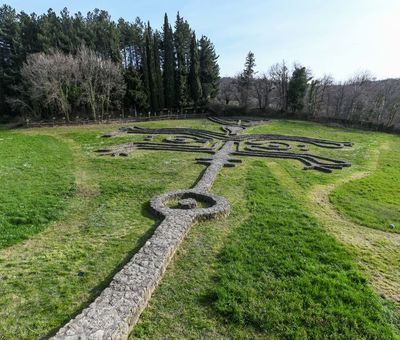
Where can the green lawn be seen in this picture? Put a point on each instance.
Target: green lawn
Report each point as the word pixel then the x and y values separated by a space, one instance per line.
pixel 279 266
pixel 37 178
pixel 362 202
pixel 307 282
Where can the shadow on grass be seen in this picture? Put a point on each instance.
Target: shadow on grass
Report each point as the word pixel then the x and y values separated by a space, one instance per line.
pixel 96 291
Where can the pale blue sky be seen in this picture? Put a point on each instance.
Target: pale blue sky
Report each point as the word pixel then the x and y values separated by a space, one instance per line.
pixel 338 37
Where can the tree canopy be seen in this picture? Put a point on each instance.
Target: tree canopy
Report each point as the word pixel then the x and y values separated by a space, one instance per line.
pixel 297 88
pixel 160 69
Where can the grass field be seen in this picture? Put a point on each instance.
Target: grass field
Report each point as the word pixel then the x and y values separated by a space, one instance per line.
pixel 363 203
pixel 303 254
pixel 37 178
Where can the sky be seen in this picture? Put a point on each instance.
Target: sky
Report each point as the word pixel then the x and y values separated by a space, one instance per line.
pixel 336 37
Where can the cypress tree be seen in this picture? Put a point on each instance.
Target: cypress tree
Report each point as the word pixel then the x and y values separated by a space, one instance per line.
pixel 168 65
pixel 149 81
pixel 194 73
pixel 182 46
pixel 144 66
pixel 158 81
pixel 151 70
pixel 209 69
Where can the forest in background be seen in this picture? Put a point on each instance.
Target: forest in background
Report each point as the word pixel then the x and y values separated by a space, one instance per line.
pixel 73 66
pixel 67 67
pixel 294 92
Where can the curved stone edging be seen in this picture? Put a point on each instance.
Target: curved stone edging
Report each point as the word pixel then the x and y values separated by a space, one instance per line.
pixel 114 313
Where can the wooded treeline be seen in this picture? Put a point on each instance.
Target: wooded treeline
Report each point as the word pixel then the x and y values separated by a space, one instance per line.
pixel 63 66
pixel 295 92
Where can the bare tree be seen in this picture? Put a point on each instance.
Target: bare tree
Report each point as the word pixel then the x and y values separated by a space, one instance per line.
pixel 279 75
pixel 355 86
pixel 227 91
pixel 101 81
pixel 49 80
pixel 54 83
pixel 317 94
pixel 263 87
pixel 361 99
pixel 389 103
pixel 393 118
pixel 339 95
pixel 382 106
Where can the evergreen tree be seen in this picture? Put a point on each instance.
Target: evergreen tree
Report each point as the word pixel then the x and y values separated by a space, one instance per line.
pixel 10 55
pixel 67 34
pixel 297 89
pixel 194 73
pixel 136 56
pixel 151 72
pixel 49 31
pixel 103 35
pixel 124 30
pixel 144 69
pixel 135 96
pixel 168 65
pixel 158 80
pixel 80 31
pixel 74 30
pixel 182 39
pixel 29 32
pixel 209 69
pixel 246 79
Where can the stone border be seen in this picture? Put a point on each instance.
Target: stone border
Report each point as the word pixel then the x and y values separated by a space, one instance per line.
pixel 114 313
pixel 126 148
pixel 311 162
pixel 185 139
pixel 257 145
pixel 267 145
pixel 238 121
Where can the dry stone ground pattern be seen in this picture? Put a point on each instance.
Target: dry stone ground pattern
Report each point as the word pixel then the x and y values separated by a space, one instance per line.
pixel 114 313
